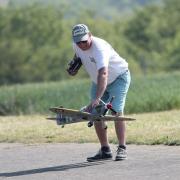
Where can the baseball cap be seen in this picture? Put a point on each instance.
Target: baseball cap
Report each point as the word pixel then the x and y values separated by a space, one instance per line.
pixel 80 33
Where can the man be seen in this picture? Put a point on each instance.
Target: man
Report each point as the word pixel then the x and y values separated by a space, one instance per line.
pixel 110 77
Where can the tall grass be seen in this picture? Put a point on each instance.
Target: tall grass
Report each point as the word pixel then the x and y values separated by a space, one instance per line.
pixel 154 93
pixel 146 94
pixel 38 97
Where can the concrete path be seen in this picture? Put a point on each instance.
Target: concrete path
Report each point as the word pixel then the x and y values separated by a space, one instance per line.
pixel 68 162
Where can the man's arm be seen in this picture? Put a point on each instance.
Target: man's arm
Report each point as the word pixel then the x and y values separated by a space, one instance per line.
pixel 101 85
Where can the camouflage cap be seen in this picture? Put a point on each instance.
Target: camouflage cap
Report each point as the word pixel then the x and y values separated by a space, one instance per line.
pixel 80 33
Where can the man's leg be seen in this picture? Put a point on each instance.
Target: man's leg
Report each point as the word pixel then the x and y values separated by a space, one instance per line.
pixel 105 152
pixel 119 89
pixel 120 128
pixel 101 132
pixel 100 126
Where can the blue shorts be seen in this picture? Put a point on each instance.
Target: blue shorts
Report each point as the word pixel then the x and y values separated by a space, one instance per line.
pixel 118 89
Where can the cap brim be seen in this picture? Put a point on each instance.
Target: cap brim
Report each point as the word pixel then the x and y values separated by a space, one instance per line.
pixel 77 39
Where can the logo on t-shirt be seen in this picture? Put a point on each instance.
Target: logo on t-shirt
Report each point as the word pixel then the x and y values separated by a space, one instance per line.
pixel 92 60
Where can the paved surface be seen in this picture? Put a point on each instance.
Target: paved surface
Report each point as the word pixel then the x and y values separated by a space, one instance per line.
pixel 68 162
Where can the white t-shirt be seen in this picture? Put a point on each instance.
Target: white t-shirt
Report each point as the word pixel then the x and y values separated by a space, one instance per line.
pixel 99 55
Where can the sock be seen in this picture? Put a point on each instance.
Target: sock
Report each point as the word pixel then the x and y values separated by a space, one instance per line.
pixel 105 148
pixel 122 146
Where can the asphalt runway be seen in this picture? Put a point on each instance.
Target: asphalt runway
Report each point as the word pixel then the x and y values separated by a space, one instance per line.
pixel 68 162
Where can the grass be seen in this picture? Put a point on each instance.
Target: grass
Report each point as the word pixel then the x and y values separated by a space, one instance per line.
pixel 149 128
pixel 154 93
pixel 146 94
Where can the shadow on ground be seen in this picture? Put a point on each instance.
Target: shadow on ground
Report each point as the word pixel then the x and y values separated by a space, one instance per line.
pixel 54 168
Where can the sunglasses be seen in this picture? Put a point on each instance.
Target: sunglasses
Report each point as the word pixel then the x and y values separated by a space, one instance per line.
pixel 84 42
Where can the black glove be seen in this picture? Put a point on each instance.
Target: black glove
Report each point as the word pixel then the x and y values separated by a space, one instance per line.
pixel 74 65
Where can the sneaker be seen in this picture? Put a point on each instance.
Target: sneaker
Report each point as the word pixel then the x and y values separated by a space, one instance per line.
pixel 101 155
pixel 121 154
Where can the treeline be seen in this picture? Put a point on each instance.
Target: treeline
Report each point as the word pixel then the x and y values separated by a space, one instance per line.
pixel 108 8
pixel 35 40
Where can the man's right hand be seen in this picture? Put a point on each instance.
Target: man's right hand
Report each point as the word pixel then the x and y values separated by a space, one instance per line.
pixel 92 105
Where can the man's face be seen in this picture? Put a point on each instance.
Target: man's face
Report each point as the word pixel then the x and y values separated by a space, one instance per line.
pixel 85 45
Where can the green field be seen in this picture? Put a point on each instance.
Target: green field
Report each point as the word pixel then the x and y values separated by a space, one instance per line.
pixel 146 94
pixel 24 108
pixel 149 128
